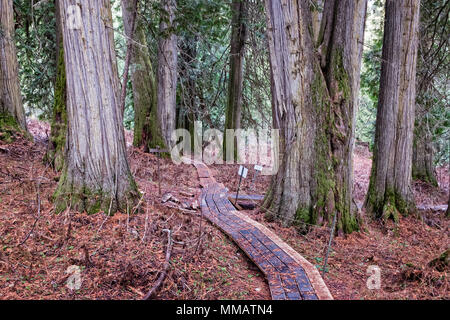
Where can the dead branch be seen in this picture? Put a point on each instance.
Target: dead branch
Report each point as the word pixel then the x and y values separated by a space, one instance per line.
pixel 38 198
pixel 163 274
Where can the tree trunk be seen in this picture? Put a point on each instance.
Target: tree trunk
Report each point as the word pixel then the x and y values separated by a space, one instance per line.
pixel 57 141
pixel 315 101
pixel 235 82
pixel 96 175
pixel 188 106
pixel 147 133
pixel 390 182
pixel 422 161
pixel 12 114
pixel 167 72
pixel 432 54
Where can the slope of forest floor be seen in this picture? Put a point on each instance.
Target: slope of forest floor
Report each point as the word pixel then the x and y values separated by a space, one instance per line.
pixel 120 257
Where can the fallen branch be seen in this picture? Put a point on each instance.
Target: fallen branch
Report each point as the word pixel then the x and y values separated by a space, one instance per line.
pixel 163 274
pixel 186 194
pixel 38 198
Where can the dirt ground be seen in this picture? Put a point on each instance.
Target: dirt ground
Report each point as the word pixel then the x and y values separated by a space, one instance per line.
pixel 121 256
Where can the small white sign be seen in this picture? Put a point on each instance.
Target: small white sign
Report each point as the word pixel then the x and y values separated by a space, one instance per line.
pixel 258 168
pixel 243 171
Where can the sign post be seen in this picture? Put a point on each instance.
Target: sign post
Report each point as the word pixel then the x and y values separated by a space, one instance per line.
pixel 158 151
pixel 257 168
pixel 242 174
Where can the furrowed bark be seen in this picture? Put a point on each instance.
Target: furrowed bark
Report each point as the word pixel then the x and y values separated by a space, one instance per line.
pixel 390 182
pixel 147 132
pixel 167 72
pixel 188 108
pixel 315 100
pixel 96 175
pixel 235 83
pixel 431 67
pixel 12 114
pixel 57 140
pixel 422 157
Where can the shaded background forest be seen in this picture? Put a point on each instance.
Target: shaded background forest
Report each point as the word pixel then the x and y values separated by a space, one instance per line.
pixel 204 32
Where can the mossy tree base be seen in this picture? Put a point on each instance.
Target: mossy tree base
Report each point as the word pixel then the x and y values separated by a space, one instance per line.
pixel 82 198
pixel 391 206
pixel 316 215
pixel 8 127
pixel 425 176
pixel 10 130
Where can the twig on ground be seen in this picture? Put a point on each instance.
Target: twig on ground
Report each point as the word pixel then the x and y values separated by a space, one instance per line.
pixel 163 274
pixel 37 218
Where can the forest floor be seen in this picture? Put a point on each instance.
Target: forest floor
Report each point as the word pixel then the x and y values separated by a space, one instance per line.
pixel 121 256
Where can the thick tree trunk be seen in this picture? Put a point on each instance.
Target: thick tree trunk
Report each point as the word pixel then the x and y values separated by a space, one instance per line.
pixel 432 53
pixel 167 72
pixel 96 175
pixel 390 181
pixel 315 101
pixel 147 133
pixel 188 107
pixel 236 79
pixel 57 141
pixel 422 161
pixel 12 114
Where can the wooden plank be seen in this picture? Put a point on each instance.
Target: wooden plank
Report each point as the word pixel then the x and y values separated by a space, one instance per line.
pixel 254 197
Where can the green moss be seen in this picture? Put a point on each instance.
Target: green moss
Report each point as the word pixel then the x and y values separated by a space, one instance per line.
pixel 375 202
pixel 340 74
pixel 388 206
pixel 82 198
pixel 55 154
pixel 8 127
pixel 147 132
pixel 323 166
pixel 329 195
pixel 146 128
pixel 61 196
pixel 390 211
pixel 424 176
pixel 303 214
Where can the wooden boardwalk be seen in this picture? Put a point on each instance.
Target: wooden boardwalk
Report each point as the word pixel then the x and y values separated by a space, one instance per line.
pixel 290 276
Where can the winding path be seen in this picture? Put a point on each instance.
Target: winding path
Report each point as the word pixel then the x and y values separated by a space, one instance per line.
pixel 290 276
